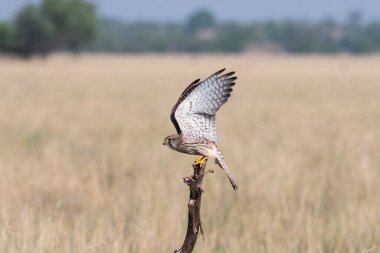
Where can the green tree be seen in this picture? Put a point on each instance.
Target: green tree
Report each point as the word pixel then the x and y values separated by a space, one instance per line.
pixel 9 39
pixel 231 38
pixel 34 32
pixel 373 34
pixel 297 37
pixel 55 24
pixel 355 39
pixel 74 22
pixel 200 20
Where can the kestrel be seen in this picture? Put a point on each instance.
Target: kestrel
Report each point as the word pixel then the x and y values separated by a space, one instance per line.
pixel 194 117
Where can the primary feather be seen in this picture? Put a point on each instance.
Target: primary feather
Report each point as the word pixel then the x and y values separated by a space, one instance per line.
pixel 195 111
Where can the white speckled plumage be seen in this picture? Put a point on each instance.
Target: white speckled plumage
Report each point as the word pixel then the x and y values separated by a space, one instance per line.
pixel 196 113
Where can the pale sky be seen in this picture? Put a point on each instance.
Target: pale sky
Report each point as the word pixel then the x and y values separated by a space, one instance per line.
pixel 240 10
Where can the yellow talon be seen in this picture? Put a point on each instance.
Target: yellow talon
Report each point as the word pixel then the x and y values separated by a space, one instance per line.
pixel 200 161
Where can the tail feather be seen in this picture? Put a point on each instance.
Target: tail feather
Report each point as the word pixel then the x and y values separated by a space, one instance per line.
pixel 220 161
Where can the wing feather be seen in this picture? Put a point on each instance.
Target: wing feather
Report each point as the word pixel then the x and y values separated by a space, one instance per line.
pixel 194 113
pixel 184 94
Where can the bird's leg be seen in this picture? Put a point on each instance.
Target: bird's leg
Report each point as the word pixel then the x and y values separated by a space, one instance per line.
pixel 200 161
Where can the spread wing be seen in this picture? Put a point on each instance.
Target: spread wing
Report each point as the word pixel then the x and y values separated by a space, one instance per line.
pixel 194 113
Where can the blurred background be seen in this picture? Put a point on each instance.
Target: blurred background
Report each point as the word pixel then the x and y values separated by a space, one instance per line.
pixel 86 89
pixel 40 27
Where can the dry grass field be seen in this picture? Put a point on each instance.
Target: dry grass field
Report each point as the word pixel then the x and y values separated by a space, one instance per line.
pixel 83 169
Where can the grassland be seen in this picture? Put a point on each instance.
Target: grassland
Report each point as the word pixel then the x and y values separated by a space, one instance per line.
pixel 83 169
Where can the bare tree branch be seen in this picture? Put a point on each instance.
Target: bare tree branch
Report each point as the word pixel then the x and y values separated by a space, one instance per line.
pixel 194 223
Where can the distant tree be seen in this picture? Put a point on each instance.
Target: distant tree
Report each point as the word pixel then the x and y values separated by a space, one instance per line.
pixel 356 42
pixel 328 36
pixel 74 22
pixel 55 24
pixel 373 33
pixel 200 20
pixel 9 39
pixel 34 32
pixel 256 32
pixel 297 37
pixel 201 33
pixel 355 38
pixel 109 36
pixel 231 38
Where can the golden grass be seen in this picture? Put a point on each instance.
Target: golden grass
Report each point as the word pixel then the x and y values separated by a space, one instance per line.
pixel 83 169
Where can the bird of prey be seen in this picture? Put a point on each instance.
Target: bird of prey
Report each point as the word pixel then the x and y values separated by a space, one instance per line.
pixel 194 119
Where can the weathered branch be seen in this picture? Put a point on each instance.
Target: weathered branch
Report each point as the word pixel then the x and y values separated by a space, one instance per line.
pixel 194 223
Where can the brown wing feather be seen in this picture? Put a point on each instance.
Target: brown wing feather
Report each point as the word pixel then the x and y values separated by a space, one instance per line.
pixel 183 96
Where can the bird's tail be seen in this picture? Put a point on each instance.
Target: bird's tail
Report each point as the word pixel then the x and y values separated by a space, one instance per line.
pixel 220 161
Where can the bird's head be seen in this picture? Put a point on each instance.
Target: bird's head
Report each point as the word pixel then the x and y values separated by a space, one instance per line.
pixel 172 141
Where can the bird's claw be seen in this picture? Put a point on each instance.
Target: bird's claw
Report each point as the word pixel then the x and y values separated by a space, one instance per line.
pixel 201 161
